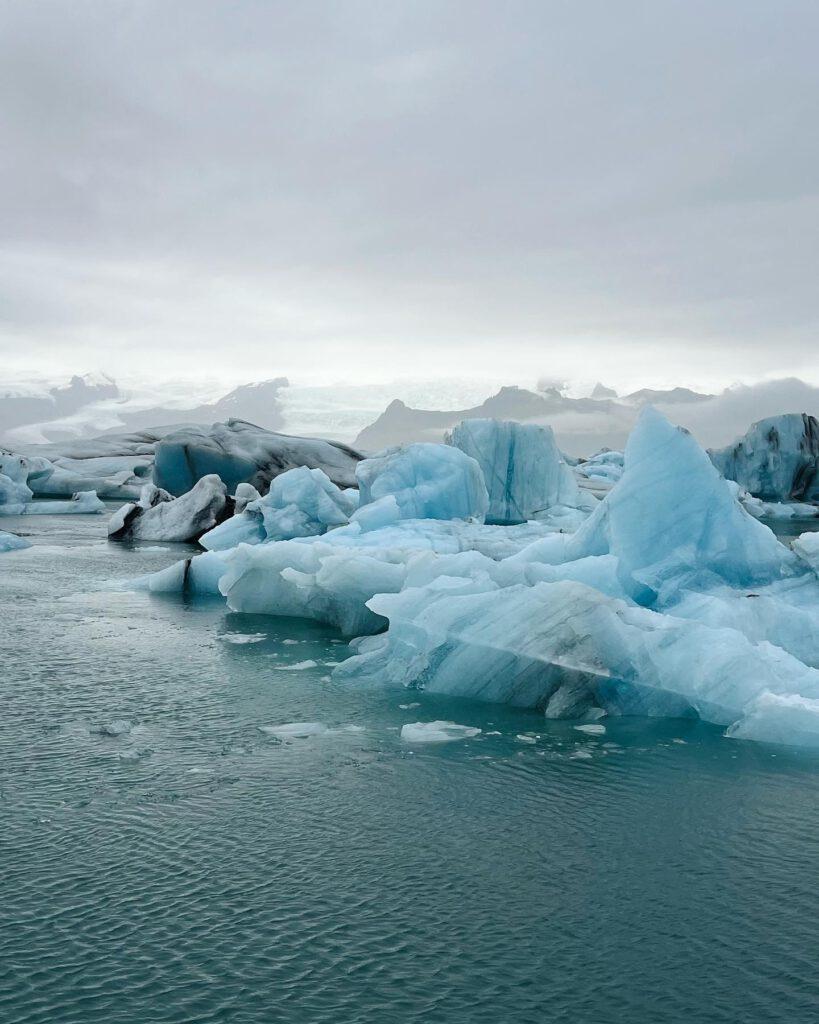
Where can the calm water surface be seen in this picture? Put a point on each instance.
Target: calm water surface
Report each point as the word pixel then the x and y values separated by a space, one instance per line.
pixel 162 859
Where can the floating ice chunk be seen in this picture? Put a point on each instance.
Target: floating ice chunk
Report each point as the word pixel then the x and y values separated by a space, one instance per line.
pixel 591 729
pixel 83 503
pixel 240 452
pixel 807 548
pixel 11 542
pixel 776 460
pixel 298 666
pixel 295 730
pixel 300 503
pixel 243 638
pixel 524 471
pixel 159 516
pixel 780 718
pixel 427 481
pixel 436 732
pixel 564 647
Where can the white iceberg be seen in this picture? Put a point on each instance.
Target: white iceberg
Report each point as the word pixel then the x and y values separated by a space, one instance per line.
pixel 437 732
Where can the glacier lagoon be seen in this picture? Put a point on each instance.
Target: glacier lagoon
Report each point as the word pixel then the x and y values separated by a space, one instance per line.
pixel 171 853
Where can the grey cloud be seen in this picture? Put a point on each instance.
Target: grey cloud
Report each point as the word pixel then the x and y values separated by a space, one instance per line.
pixel 530 185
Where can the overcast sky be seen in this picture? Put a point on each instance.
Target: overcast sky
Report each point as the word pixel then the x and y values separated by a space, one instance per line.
pixel 328 190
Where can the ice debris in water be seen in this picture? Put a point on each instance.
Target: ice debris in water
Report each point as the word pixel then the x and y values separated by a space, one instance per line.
pixel 243 638
pixel 591 729
pixel 304 730
pixel 298 666
pixel 436 732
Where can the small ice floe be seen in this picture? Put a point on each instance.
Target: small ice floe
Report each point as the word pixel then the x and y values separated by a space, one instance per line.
pixel 591 729
pixel 298 666
pixel 295 730
pixel 436 732
pixel 119 727
pixel 525 738
pixel 407 707
pixel 581 755
pixel 243 638
pixel 289 641
pixel 303 730
pixel 678 740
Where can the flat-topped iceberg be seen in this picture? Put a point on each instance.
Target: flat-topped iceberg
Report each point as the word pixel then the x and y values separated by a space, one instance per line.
pixel 777 460
pixel 525 474
pixel 240 452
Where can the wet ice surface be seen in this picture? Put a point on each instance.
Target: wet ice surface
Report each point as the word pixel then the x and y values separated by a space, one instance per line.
pixel 193 831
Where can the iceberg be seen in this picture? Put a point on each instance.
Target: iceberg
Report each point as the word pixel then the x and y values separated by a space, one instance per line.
pixel 673 518
pixel 160 516
pixel 777 460
pixel 565 648
pixel 239 452
pixel 806 547
pixel 525 475
pixel 11 542
pixel 300 503
pixel 424 481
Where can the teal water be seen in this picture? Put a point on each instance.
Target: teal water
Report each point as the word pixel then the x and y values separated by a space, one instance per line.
pixel 191 867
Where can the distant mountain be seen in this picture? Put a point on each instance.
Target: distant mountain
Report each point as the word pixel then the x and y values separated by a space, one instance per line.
pixel 399 423
pixel 256 403
pixel 585 425
pixel 672 396
pixel 601 391
pixel 20 406
pixel 90 405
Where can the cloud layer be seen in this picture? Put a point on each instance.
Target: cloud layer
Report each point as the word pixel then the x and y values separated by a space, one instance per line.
pixel 362 190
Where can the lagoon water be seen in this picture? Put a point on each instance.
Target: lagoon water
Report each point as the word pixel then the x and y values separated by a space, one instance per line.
pixel 165 859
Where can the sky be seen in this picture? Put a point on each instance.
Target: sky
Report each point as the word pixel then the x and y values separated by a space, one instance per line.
pixel 366 191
